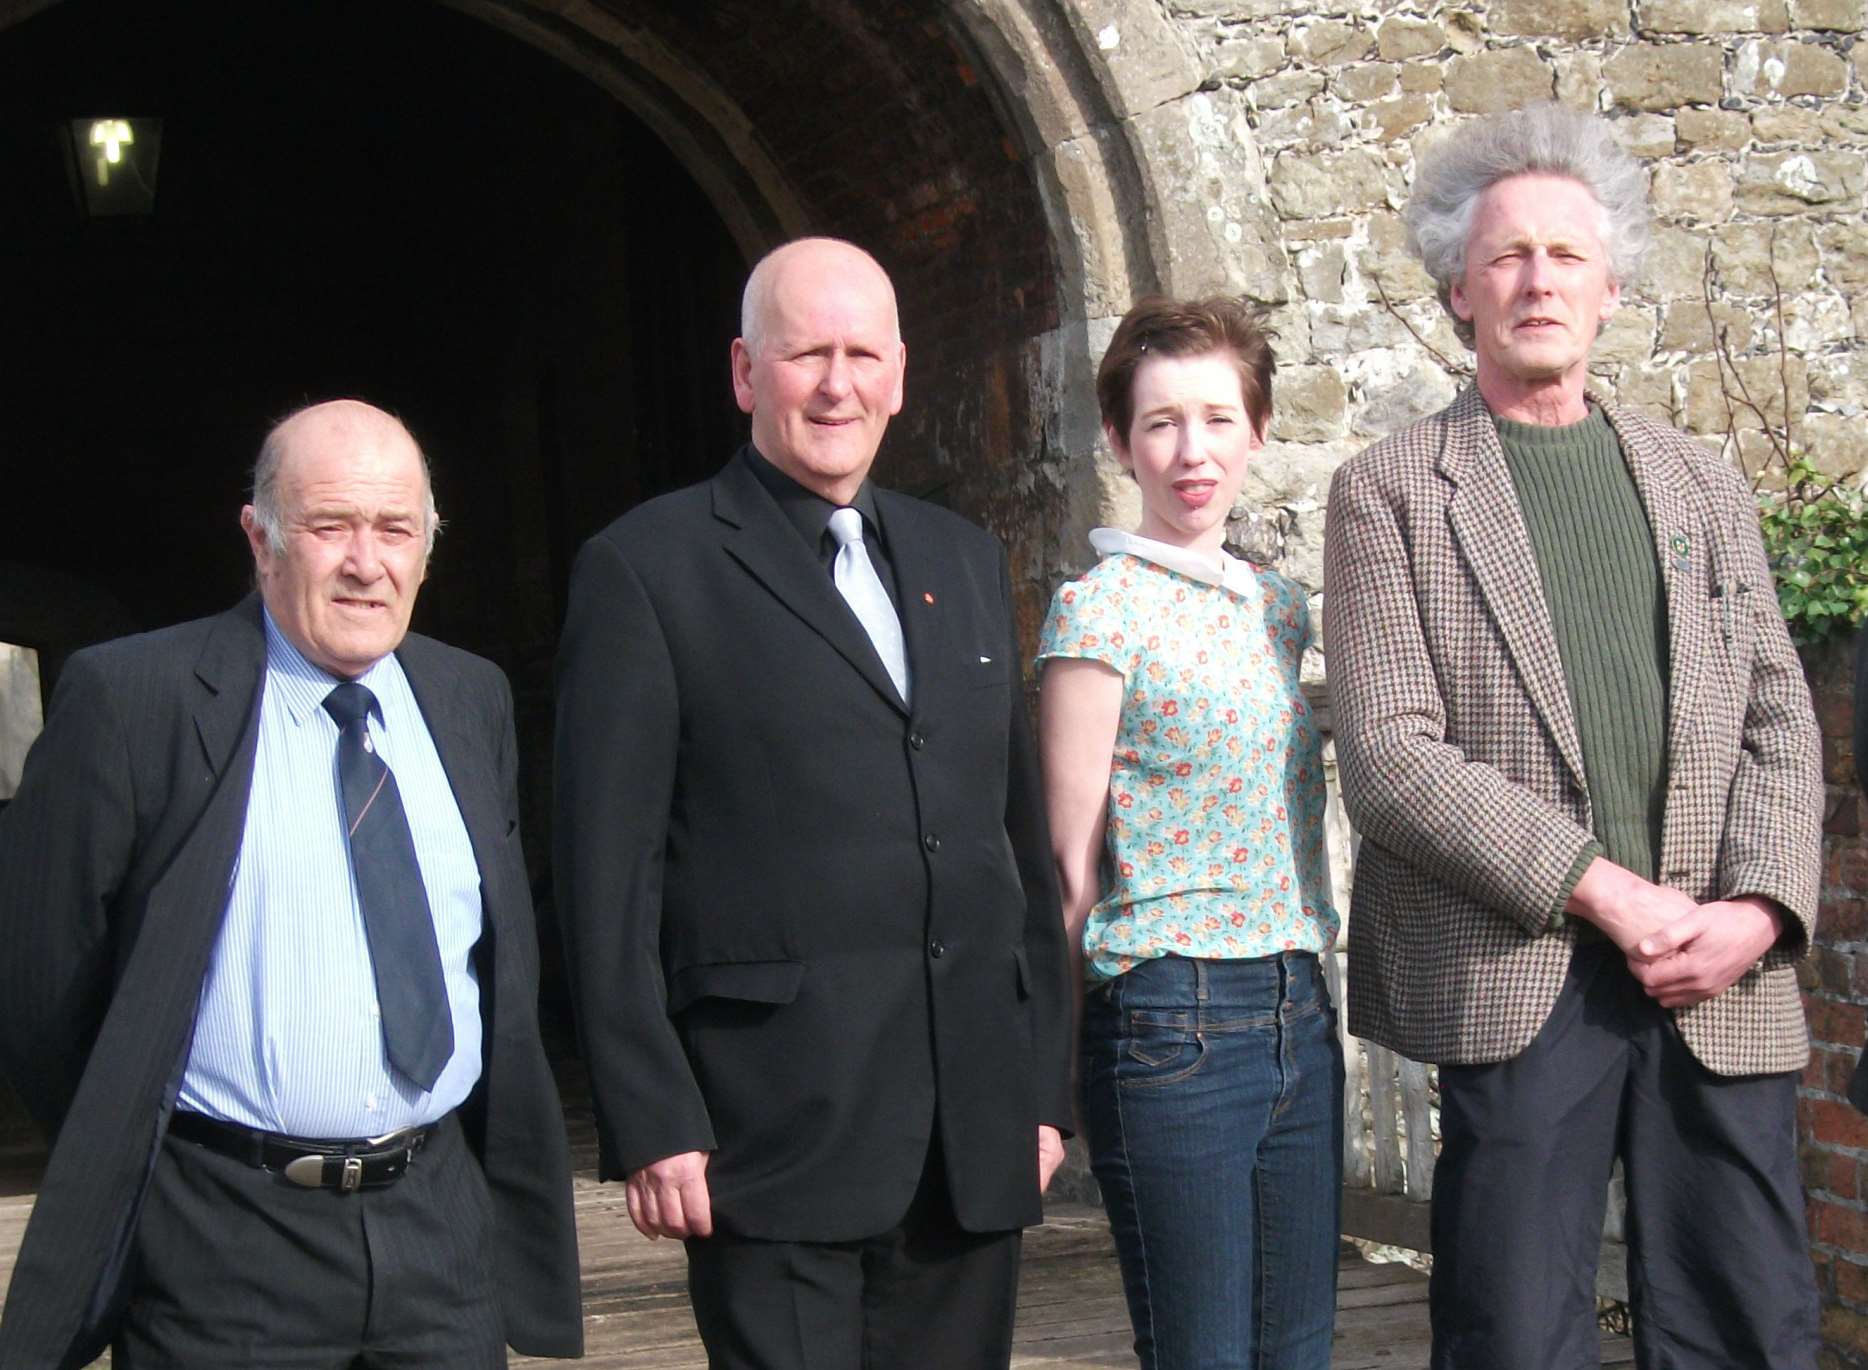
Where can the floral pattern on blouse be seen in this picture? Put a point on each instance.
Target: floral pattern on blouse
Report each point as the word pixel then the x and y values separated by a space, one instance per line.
pixel 1214 844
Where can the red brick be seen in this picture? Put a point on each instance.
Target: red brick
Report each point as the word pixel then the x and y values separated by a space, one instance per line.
pixel 1851 1282
pixel 1843 917
pixel 1822 1267
pixel 1835 969
pixel 1841 1067
pixel 1840 1177
pixel 1835 1022
pixel 1836 1123
pixel 1816 1073
pixel 1844 1330
pixel 1843 1228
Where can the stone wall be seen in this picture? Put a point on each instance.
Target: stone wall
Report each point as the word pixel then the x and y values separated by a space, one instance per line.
pixel 1749 112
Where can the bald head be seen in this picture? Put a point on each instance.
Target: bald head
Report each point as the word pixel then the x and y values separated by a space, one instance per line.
pixel 340 526
pixel 809 260
pixel 819 364
pixel 339 425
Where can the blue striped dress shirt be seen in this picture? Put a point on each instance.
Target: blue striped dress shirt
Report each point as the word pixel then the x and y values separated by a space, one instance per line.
pixel 288 1036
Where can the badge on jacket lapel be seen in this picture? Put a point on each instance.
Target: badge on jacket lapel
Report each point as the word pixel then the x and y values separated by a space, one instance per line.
pixel 1682 552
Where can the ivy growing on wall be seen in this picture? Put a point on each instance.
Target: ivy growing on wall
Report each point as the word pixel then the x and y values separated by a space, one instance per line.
pixel 1816 538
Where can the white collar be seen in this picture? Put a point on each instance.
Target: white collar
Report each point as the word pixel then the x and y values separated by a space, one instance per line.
pixel 1217 568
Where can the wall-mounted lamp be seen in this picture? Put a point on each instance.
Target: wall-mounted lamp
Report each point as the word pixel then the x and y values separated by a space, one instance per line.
pixel 115 161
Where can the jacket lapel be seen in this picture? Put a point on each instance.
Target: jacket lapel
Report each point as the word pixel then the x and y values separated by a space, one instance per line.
pixel 1662 482
pixel 447 712
pixel 230 667
pixel 758 536
pixel 1490 528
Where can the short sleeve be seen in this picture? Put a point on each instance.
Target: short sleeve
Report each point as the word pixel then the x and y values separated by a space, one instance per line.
pixel 1088 622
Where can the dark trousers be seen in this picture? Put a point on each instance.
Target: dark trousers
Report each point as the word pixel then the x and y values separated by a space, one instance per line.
pixel 1718 1259
pixel 240 1269
pixel 922 1295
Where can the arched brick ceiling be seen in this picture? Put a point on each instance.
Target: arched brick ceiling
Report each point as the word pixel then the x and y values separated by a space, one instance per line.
pixel 885 129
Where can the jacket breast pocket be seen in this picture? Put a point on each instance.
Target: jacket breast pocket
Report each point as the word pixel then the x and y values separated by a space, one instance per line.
pixel 748 982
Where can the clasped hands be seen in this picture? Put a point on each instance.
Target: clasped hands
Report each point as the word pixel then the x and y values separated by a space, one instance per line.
pixel 1682 952
pixel 669 1197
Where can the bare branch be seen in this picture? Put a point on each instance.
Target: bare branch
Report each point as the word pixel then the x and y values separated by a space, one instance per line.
pixel 1446 365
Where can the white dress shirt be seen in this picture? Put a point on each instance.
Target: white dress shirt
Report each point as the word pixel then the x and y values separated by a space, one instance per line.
pixel 288 1036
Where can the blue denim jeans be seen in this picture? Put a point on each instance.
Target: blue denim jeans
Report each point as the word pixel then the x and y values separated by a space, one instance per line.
pixel 1213 1103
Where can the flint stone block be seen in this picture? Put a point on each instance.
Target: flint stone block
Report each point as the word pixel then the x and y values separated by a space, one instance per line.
pixel 1400 38
pixel 1711 130
pixel 1778 183
pixel 1714 16
pixel 1327 184
pixel 1693 190
pixel 1498 80
pixel 1577 20
pixel 1787 69
pixel 1658 77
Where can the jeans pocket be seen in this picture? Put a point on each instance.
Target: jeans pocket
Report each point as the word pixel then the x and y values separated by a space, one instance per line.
pixel 1159 1047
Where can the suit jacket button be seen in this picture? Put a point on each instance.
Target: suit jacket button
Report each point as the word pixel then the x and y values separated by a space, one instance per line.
pixel 917 741
pixel 931 842
pixel 937 949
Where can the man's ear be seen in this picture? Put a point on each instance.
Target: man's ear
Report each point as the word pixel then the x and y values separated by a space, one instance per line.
pixel 741 359
pixel 255 537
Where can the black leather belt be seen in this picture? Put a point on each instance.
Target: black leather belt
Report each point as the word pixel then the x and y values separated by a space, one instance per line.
pixel 346 1166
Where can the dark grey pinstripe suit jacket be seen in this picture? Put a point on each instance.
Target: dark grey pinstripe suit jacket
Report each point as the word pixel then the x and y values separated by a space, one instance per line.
pixel 1461 764
pixel 115 858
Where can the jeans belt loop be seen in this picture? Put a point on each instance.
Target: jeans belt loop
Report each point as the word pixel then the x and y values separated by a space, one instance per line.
pixel 1202 991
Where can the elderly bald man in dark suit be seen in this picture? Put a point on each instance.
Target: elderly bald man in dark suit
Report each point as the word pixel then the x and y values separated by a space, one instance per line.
pixel 271 971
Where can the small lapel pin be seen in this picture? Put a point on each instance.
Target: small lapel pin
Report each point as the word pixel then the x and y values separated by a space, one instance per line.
pixel 1682 550
pixel 985 661
pixel 927 596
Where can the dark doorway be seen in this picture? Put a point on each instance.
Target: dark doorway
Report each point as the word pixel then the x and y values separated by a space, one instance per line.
pixel 378 198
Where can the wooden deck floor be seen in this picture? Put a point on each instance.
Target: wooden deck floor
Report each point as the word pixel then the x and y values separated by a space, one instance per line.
pixel 1071 1314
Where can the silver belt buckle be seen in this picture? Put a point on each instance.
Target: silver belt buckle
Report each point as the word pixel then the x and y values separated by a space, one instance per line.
pixel 352 1179
pixel 307 1171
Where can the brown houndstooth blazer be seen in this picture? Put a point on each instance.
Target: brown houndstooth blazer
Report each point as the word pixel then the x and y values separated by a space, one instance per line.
pixel 1461 765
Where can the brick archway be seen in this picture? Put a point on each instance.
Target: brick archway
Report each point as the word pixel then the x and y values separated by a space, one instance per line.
pixel 1025 168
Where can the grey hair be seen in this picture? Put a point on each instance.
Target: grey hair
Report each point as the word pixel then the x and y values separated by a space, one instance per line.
pixel 271 518
pixel 1542 139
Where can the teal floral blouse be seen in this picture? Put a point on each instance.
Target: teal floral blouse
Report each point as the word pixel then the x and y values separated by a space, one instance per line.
pixel 1214 844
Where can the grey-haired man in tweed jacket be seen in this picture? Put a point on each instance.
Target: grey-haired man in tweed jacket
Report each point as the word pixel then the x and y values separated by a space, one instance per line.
pixel 1580 750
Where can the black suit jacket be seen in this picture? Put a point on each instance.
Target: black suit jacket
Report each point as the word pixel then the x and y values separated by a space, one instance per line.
pixel 804 922
pixel 115 861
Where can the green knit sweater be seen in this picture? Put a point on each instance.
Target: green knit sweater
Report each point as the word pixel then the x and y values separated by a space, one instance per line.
pixel 1595 555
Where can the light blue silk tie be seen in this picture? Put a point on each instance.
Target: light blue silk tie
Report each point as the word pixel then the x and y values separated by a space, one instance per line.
pixel 860 586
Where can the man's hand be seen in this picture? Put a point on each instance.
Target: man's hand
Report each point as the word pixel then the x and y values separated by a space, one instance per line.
pixel 1050 1154
pixel 1706 951
pixel 668 1198
pixel 1625 906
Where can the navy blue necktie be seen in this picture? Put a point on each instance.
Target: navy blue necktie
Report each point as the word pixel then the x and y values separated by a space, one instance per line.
pixel 411 991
